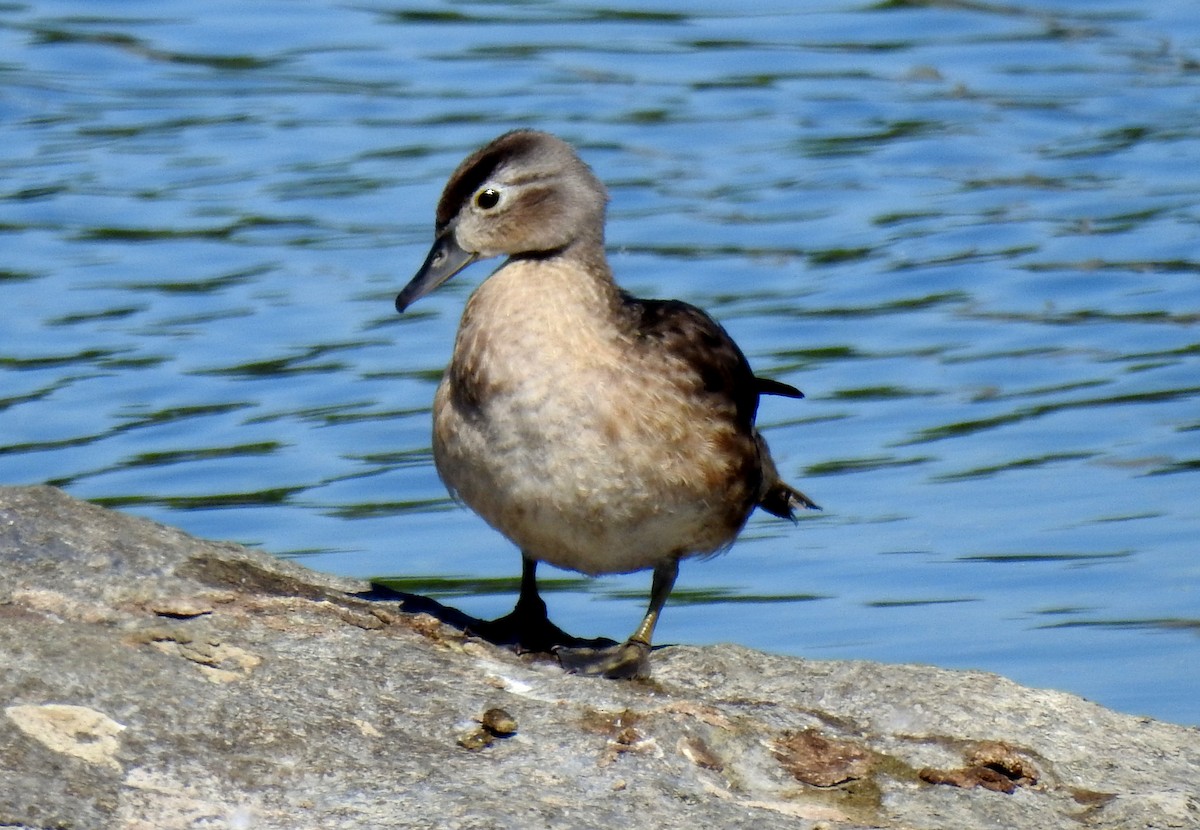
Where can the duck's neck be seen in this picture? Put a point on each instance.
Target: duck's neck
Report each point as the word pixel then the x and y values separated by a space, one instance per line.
pixel 575 279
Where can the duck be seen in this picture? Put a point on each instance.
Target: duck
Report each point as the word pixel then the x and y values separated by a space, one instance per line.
pixel 599 432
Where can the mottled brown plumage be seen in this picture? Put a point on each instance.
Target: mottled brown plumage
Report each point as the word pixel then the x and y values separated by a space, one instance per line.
pixel 597 431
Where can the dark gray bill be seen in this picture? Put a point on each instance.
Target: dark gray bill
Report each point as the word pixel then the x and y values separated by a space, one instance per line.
pixel 445 260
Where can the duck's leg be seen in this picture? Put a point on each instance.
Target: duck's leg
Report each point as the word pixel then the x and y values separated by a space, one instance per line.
pixel 527 626
pixel 630 659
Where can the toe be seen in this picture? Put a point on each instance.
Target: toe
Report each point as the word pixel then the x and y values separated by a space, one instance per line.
pixel 628 661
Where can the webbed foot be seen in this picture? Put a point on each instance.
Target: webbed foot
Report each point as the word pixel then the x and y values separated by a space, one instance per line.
pixel 628 661
pixel 523 631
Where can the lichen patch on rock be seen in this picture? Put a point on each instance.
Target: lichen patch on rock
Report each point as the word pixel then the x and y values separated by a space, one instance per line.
pixel 78 731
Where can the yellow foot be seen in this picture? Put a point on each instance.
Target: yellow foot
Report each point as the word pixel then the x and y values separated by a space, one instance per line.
pixel 628 661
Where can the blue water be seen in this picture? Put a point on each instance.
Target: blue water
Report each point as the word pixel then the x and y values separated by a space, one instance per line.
pixel 970 232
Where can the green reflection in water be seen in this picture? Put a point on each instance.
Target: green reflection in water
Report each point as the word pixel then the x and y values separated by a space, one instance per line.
pixel 715 596
pixel 910 603
pixel 162 459
pixel 1018 558
pixel 455 586
pixel 1191 465
pixel 135 46
pixel 211 285
pixel 858 465
pixel 1020 464
pixel 214 501
pixel 961 428
pixel 863 143
pixel 880 393
pixel 379 509
pixel 1166 624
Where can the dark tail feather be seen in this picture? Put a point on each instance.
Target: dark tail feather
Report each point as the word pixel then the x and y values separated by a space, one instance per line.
pixel 777 498
pixel 767 386
pixel 782 500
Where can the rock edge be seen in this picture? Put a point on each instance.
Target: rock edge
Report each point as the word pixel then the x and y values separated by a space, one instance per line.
pixel 150 679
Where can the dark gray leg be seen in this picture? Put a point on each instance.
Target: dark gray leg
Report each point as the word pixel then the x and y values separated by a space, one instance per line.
pixel 527 627
pixel 530 604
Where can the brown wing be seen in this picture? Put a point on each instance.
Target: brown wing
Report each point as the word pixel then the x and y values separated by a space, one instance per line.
pixel 690 334
pixel 699 341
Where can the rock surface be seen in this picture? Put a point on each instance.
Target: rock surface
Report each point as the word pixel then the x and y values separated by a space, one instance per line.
pixel 149 679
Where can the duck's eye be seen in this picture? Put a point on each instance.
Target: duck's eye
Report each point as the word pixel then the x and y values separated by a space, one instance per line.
pixel 487 198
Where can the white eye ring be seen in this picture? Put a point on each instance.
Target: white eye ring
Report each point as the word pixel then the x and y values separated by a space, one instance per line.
pixel 487 198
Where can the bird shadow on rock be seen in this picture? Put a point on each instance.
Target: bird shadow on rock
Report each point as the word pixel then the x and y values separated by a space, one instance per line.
pixel 526 629
pixel 521 632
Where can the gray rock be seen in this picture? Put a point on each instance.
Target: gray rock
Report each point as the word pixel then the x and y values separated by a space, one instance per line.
pixel 153 680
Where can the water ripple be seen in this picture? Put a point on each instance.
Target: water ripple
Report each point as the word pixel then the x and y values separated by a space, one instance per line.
pixel 968 230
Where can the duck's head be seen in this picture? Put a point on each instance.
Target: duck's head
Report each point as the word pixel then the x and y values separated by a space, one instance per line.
pixel 526 193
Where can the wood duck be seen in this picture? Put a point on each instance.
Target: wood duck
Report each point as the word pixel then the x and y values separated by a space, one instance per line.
pixel 599 432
